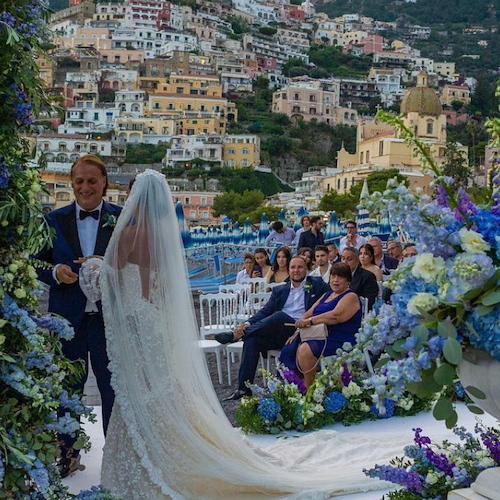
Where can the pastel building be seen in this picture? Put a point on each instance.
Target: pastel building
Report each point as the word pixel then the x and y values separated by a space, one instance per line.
pixel 242 150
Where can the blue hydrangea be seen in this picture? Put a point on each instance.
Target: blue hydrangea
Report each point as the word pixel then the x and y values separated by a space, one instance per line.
pixel 488 224
pixel 389 406
pixel 486 331
pixel 64 425
pixel 334 402
pixel 95 493
pixel 268 408
pixel 58 325
pixel 298 414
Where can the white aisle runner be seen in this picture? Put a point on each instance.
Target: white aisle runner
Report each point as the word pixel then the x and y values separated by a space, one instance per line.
pixel 396 426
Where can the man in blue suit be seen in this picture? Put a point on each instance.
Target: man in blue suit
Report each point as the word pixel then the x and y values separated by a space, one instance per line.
pixel 82 229
pixel 266 330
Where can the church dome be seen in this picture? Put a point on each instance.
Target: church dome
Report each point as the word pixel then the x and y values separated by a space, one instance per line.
pixel 421 99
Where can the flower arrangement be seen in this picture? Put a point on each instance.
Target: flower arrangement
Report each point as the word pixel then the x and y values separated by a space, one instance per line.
pixel 430 471
pixel 444 299
pixel 33 370
pixel 336 396
pixel 109 220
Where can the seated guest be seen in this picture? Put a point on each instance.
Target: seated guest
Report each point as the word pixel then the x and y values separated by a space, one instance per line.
pixel 248 269
pixel 367 260
pixel 307 254
pixel 323 266
pixel 262 262
pixel 394 249
pixel 280 235
pixel 305 222
pixel 266 330
pixel 313 237
pixel 385 262
pixel 339 309
pixel 364 283
pixel 352 239
pixel 333 253
pixel 279 268
pixel 410 250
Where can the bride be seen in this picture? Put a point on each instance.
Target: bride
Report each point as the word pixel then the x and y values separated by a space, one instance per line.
pixel 169 437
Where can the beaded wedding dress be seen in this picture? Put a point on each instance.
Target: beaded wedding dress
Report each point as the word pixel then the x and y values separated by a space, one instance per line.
pixel 169 437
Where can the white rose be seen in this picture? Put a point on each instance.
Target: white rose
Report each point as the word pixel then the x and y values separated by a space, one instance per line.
pixel 472 242
pixel 352 389
pixel 424 301
pixel 428 267
pixel 487 462
pixel 431 478
pixel 364 407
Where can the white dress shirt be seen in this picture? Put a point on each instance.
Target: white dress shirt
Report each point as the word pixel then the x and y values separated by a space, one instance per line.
pixel 326 277
pixel 242 277
pixel 345 243
pixel 295 303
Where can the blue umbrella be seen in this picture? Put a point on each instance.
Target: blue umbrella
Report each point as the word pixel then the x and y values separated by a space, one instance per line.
pixel 247 233
pixel 225 233
pixel 237 233
pixel 330 231
pixel 263 229
pixel 363 221
pixel 185 234
pixel 300 212
pixel 282 216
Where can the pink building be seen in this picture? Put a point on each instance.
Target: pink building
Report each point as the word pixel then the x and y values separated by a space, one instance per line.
pixel 290 12
pixel 197 205
pixel 366 46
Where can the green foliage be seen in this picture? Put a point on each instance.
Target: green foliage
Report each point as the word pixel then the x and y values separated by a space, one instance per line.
pixel 239 25
pixel 145 153
pixel 345 203
pixel 267 30
pixel 239 206
pixel 455 165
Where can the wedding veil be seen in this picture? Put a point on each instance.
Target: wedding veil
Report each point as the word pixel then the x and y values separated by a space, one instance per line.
pixel 169 436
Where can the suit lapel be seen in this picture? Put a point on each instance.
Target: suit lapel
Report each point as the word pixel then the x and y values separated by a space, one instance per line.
pixel 67 223
pixel 307 294
pixel 103 233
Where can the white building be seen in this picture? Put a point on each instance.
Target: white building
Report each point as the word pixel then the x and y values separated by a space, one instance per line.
pixel 262 12
pixel 131 102
pixel 85 120
pixel 184 149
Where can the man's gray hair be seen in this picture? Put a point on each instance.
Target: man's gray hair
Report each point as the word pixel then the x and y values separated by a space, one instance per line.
pixel 354 250
pixel 378 240
pixel 396 242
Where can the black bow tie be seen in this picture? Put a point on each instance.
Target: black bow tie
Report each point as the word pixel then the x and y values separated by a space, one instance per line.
pixel 84 214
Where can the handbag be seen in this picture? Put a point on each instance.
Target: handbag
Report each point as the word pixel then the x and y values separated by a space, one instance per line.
pixel 313 332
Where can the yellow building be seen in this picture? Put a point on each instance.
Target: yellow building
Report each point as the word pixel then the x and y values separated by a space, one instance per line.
pixel 197 102
pixel 378 147
pixel 452 93
pixel 140 130
pixel 241 150
pixel 46 67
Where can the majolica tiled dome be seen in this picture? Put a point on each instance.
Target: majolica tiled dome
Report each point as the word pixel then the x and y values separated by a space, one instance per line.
pixel 421 99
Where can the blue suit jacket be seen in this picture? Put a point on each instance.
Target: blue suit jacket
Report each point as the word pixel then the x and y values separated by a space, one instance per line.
pixel 68 300
pixel 280 294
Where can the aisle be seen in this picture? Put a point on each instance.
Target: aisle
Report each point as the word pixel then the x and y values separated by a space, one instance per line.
pixel 397 425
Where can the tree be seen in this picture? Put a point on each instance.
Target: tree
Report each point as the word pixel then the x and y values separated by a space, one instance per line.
pixel 455 165
pixel 483 97
pixel 238 206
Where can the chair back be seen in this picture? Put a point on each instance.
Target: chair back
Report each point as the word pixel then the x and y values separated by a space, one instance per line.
pixel 258 284
pixel 269 286
pixel 218 313
pixel 256 301
pixel 364 306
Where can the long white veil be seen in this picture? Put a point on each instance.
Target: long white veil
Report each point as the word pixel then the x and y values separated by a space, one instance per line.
pixel 169 436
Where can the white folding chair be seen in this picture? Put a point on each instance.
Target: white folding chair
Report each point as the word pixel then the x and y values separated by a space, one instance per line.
pixel 256 301
pixel 242 291
pixel 268 287
pixel 217 315
pixel 257 284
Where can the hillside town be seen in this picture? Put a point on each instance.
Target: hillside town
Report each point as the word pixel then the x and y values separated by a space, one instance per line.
pixel 168 75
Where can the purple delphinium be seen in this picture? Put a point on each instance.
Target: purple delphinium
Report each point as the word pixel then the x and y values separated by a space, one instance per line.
pixel 22 107
pixel 346 376
pixel 5 173
pixel 292 378
pixel 439 460
pixel 8 19
pixel 411 480
pixel 465 206
pixel 491 441
pixel 442 196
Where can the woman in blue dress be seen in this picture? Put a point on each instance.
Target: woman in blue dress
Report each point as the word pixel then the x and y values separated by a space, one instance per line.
pixel 340 310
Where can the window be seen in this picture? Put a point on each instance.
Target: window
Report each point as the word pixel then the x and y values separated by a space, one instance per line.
pixel 367 156
pixel 312 111
pixel 179 90
pixel 381 148
pixel 203 200
pixel 244 163
pixel 192 214
pixel 190 131
pixel 170 106
pixel 205 214
pixel 231 151
pixel 157 105
pixel 96 116
pixel 296 97
pixel 361 157
pixel 245 151
pixel 338 184
pixel 345 183
pixel 430 127
pixel 187 200
pixel 312 98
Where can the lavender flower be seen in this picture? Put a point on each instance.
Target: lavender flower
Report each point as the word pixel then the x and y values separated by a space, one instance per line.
pixel 492 443
pixel 346 377
pixel 411 480
pixel 292 378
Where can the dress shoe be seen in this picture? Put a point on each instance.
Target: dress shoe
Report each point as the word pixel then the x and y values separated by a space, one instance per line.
pixel 69 465
pixel 238 394
pixel 224 338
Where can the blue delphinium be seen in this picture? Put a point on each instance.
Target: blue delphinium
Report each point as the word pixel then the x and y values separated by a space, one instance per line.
pixel 411 480
pixel 389 407
pixel 55 324
pixel 5 173
pixel 485 332
pixel 268 408
pixel 335 401
pixel 95 493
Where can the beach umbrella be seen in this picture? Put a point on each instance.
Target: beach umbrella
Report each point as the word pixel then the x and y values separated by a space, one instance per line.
pixel 385 224
pixel 185 234
pixel 282 217
pixel 237 233
pixel 263 229
pixel 225 233
pixel 330 231
pixel 247 233
pixel 300 212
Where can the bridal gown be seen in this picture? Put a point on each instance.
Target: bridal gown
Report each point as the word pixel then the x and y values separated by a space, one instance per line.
pixel 169 437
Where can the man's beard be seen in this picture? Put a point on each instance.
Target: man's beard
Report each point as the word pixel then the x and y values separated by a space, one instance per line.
pixel 298 280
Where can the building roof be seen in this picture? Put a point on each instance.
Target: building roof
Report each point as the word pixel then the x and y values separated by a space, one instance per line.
pixel 421 99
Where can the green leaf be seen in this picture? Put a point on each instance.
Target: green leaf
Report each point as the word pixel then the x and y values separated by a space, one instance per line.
pixel 280 418
pixel 484 310
pixel 288 425
pixel 475 392
pixel 421 332
pixel 492 281
pixel 273 430
pixel 78 444
pixel 300 427
pixel 473 294
pixel 392 353
pixel 475 409
pixel 398 345
pixel 443 409
pixel 445 374
pixel 452 420
pixel 381 362
pixel 491 299
pixel 37 446
pixel 452 351
pixel 447 329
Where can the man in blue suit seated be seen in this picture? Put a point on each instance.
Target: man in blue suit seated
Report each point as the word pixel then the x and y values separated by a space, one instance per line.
pixel 82 229
pixel 266 330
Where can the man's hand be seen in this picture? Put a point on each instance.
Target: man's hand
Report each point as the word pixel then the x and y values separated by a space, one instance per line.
pixel 64 274
pixel 239 331
pixel 81 260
